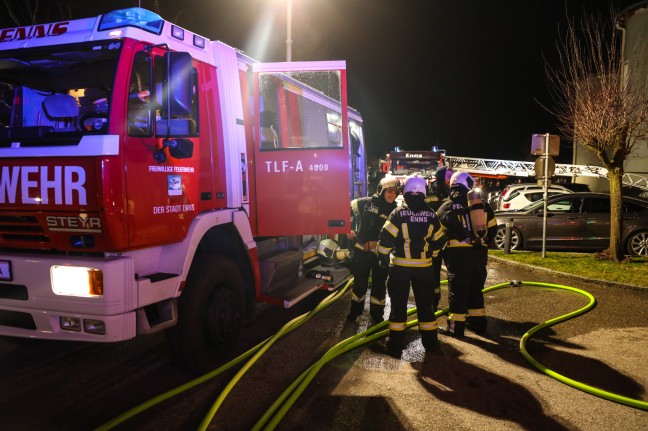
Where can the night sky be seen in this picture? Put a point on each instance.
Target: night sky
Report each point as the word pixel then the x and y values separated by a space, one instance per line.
pixel 466 76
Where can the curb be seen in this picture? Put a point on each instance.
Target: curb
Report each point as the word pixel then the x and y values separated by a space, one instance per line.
pixel 532 268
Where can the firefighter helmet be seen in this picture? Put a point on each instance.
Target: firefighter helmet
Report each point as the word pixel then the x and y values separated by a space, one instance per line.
pixel 326 249
pixel 443 174
pixel 415 184
pixel 388 183
pixel 463 179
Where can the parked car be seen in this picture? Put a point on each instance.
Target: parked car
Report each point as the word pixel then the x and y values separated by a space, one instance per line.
pixel 520 198
pixel 512 188
pixel 577 187
pixel 575 221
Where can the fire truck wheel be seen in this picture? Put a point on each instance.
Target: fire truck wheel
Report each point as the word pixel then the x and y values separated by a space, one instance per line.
pixel 211 312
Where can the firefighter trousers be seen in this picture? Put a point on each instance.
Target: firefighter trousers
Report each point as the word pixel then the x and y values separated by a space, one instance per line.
pixel 398 284
pixel 436 281
pixel 365 264
pixel 466 277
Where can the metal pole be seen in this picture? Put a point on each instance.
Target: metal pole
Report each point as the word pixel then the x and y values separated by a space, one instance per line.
pixel 507 238
pixel 289 31
pixel 544 215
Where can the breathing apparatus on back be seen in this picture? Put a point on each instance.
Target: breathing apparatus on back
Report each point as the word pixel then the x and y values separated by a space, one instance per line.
pixel 476 213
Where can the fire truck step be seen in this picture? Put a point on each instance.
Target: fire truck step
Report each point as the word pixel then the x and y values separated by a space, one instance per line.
pixel 329 278
pixel 279 271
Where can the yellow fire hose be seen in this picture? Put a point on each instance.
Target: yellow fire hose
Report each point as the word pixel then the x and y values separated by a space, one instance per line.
pixel 280 407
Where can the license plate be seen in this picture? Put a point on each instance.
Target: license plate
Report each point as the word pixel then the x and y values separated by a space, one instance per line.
pixel 5 270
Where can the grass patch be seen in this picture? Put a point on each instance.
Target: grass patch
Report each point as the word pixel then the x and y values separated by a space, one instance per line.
pixel 632 271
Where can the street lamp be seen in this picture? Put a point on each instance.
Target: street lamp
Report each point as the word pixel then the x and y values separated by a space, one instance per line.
pixel 289 30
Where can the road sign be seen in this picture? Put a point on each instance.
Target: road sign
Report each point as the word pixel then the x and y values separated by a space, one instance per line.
pixel 540 146
pixel 540 167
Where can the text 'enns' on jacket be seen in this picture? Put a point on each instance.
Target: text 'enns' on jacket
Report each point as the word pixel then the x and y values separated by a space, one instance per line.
pixel 413 238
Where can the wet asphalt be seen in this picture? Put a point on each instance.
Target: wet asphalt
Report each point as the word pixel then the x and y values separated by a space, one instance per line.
pixel 485 382
pixel 479 382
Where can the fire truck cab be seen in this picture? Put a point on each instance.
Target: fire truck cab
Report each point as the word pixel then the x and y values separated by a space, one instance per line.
pixel 152 179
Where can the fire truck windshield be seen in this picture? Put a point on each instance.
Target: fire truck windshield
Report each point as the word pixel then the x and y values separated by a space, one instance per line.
pixel 48 93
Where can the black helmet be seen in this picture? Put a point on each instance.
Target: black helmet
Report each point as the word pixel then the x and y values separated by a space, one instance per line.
pixel 443 174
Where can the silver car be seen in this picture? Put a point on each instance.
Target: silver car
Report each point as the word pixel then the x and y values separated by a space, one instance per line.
pixel 575 221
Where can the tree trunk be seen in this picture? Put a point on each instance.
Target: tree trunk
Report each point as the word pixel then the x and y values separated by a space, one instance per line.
pixel 616 214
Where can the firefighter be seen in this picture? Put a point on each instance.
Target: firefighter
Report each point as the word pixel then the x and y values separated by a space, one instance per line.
pixel 439 191
pixel 440 188
pixel 368 215
pixel 470 228
pixel 413 235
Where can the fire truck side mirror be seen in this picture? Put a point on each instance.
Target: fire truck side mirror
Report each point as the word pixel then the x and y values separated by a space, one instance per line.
pixel 180 148
pixel 180 75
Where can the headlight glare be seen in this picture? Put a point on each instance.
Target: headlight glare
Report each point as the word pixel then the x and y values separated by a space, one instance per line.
pixel 76 281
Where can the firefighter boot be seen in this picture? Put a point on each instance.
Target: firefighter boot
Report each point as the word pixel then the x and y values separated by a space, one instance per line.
pixel 356 310
pixel 376 312
pixel 454 329
pixel 394 344
pixel 477 324
pixel 430 340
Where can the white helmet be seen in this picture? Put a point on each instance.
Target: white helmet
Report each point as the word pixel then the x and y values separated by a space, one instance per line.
pixel 415 184
pixel 327 249
pixel 388 183
pixel 462 179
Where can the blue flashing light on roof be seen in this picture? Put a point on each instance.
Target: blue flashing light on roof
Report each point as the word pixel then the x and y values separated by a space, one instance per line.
pixel 132 17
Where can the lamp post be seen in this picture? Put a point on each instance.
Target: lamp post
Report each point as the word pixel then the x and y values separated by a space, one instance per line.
pixel 289 30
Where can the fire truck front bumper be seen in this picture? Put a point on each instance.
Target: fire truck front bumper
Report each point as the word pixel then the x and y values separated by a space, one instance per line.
pixel 67 298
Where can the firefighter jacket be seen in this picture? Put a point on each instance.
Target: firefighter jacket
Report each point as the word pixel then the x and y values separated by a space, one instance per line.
pixel 413 237
pixel 368 215
pixel 437 193
pixel 454 214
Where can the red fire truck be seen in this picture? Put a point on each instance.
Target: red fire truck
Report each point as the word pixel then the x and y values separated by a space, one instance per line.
pixel 152 179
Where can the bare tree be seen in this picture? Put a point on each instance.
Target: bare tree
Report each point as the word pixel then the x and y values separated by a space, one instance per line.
pixel 599 104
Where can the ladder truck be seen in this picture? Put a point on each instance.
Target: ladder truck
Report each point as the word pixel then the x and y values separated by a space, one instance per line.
pixel 154 180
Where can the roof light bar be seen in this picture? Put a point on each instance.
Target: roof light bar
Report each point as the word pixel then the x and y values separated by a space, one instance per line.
pixel 132 17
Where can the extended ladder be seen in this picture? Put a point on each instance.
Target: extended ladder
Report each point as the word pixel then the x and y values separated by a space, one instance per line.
pixel 527 169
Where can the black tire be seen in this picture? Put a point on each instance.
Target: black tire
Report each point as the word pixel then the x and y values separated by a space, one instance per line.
pixel 637 244
pixel 500 238
pixel 211 312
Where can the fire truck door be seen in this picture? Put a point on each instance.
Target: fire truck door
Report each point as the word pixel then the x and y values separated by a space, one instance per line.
pixel 302 157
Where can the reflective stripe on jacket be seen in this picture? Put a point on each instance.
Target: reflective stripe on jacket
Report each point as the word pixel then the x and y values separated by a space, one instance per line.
pixel 413 238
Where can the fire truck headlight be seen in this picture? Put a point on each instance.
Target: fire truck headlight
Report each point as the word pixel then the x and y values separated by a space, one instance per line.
pixel 94 326
pixel 76 281
pixel 70 323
